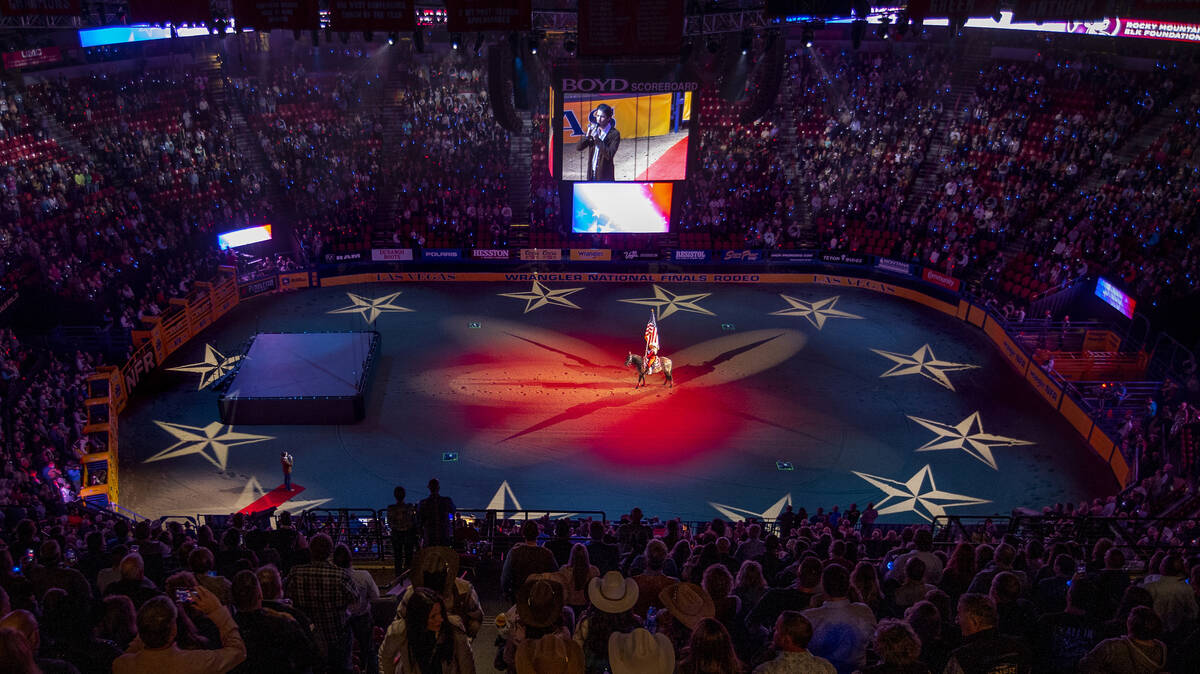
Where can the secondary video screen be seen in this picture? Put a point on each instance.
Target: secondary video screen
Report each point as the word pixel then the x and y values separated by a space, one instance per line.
pixel 621 128
pixel 621 208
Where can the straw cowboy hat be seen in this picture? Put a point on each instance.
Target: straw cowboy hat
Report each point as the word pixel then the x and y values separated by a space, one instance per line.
pixel 551 654
pixel 640 652
pixel 612 593
pixel 688 602
pixel 540 603
pixel 434 560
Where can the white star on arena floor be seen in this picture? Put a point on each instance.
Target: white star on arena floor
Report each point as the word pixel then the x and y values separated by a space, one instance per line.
pixel 927 504
pixel 740 514
pixel 816 312
pixel 668 302
pixel 541 296
pixel 216 437
pixel 371 308
pixel 922 362
pixel 967 435
pixel 213 367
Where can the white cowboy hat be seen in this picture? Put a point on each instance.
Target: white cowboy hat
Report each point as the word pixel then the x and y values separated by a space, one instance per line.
pixel 612 593
pixel 640 652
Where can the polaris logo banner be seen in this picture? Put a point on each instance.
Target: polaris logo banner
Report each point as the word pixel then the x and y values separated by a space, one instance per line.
pixel 441 254
pixel 691 255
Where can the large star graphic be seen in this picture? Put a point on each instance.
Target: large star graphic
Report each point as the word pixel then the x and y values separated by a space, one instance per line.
pixel 968 436
pixel 216 437
pixel 254 491
pixel 213 367
pixel 668 302
pixel 927 504
pixel 505 499
pixel 740 514
pixel 371 308
pixel 540 296
pixel 816 312
pixel 922 362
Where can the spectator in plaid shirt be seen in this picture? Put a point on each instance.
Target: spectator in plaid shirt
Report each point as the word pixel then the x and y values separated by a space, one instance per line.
pixel 324 592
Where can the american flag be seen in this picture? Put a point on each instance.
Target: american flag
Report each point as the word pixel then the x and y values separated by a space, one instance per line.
pixel 651 333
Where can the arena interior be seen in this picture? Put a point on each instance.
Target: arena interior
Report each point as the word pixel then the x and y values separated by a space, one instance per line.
pixel 540 336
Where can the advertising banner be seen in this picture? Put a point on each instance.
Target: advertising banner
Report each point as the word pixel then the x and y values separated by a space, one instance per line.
pixel 794 255
pixel 468 16
pixel 843 258
pixel 741 256
pixel 1008 348
pixel 937 278
pixel 258 286
pixel 15 60
pixel 640 255
pixel 541 254
pixel 630 27
pixel 1044 385
pixel 591 254
pixel 919 9
pixel 690 256
pixel 294 280
pixel 441 254
pixel 893 266
pixel 353 256
pixel 377 15
pixel 391 254
pixel 500 254
pixel 284 14
pixel 1060 10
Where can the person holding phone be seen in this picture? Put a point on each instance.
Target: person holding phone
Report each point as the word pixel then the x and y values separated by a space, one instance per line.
pixel 286 461
pixel 601 140
pixel 154 649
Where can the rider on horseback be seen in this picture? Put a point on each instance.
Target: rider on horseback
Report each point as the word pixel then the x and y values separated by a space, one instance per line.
pixel 651 358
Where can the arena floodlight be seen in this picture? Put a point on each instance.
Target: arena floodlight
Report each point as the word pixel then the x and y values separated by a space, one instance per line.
pixel 807 35
pixel 392 38
pixel 533 43
pixel 884 28
pixel 455 40
pixel 747 41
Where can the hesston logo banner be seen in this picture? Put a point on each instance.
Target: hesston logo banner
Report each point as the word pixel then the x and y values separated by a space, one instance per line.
pixel 940 279
pixel 467 16
pixel 490 254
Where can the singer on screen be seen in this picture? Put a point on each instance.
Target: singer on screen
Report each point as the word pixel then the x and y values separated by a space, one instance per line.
pixel 603 139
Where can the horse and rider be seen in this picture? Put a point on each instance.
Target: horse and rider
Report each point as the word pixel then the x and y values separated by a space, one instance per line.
pixel 651 362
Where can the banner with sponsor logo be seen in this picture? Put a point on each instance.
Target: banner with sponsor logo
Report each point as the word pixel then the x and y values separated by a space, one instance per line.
pixel 441 254
pixel 630 27
pixel 1044 385
pixel 843 258
pixel 919 9
pixel 690 256
pixel 352 256
pixel 40 7
pixel 258 286
pixel 740 256
pixel 391 254
pixel 893 266
pixel 1060 10
pixel 467 16
pixel 294 280
pixel 500 254
pixel 794 255
pixel 591 254
pixel 15 60
pixel 640 255
pixel 541 254
pixel 376 15
pixel 937 278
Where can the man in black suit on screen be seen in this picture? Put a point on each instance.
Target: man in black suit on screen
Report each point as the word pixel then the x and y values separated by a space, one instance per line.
pixel 603 139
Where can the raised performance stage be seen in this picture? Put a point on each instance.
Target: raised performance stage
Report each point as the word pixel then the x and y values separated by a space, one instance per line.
pixel 301 378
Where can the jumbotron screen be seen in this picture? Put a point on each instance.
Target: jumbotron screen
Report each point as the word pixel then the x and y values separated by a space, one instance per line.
pixel 631 126
pixel 621 208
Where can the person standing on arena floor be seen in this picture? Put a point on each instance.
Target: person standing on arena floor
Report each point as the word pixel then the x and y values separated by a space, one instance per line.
pixel 286 462
pixel 402 522
pixel 436 514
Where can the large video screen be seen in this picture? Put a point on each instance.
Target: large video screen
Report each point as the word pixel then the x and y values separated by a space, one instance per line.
pixel 634 126
pixel 621 208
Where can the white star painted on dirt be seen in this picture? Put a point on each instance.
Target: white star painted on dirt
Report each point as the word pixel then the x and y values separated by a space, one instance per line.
pixel 741 514
pixel 213 367
pixel 505 499
pixel 922 362
pixel 668 302
pixel 927 504
pixel 967 435
pixel 816 312
pixel 540 296
pixel 216 437
pixel 371 308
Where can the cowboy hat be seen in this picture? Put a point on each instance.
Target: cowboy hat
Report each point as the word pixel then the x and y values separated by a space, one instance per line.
pixel 612 593
pixel 640 652
pixel 551 654
pixel 435 560
pixel 688 602
pixel 540 603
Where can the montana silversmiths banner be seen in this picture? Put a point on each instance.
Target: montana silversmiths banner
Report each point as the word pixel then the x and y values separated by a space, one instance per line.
pixel 893 266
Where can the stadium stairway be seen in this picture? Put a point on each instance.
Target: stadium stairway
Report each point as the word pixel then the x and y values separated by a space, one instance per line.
pixel 520 152
pixel 57 131
pixel 389 198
